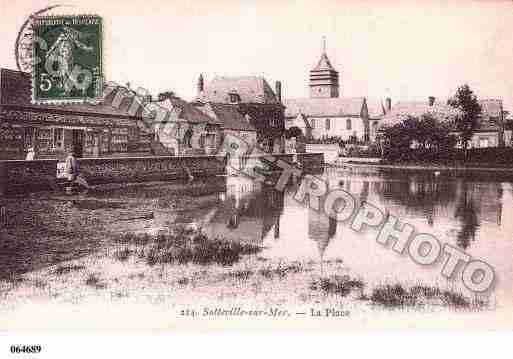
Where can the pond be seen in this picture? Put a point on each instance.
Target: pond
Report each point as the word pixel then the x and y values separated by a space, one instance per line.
pixel 472 212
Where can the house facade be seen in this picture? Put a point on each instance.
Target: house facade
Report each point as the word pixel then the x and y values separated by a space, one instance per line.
pixel 90 130
pixel 232 121
pixel 185 129
pixel 255 100
pixel 325 114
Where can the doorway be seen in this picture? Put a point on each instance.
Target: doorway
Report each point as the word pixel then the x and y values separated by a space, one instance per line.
pixel 77 143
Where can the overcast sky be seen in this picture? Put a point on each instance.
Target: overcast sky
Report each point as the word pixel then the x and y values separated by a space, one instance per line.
pixel 405 50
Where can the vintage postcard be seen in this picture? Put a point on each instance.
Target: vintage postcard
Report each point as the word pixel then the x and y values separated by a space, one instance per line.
pixel 212 165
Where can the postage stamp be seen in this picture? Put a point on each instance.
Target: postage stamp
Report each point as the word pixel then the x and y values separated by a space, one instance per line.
pixel 67 59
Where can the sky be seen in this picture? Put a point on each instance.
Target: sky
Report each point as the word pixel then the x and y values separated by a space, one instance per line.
pixel 400 49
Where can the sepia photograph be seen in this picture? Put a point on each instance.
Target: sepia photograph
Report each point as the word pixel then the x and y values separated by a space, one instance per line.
pixel 192 166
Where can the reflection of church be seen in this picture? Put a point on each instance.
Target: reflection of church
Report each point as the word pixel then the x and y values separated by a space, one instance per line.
pixel 248 211
pixel 321 229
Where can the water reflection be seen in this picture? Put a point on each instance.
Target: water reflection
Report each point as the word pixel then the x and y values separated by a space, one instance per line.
pixel 467 215
pixel 247 211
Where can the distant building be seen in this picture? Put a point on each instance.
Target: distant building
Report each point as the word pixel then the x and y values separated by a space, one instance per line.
pixel 255 100
pixel 174 134
pixel 231 120
pixel 325 114
pixel 90 130
pixel 490 130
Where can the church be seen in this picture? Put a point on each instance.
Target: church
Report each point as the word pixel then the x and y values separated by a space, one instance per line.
pixel 326 114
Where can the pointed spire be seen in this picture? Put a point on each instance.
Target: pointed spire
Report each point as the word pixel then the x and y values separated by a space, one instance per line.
pixel 200 84
pixel 324 44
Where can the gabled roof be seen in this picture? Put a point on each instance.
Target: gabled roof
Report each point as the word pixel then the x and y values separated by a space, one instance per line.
pixel 251 89
pixel 324 64
pixel 319 107
pixel 228 115
pixel 187 111
pixel 16 90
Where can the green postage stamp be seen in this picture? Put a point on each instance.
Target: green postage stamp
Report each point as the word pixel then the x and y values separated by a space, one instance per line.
pixel 67 59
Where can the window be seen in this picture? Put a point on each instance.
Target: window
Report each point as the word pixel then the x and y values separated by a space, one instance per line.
pixel 348 124
pixel 234 97
pixel 327 124
pixel 58 141
pixel 312 122
pixel 483 142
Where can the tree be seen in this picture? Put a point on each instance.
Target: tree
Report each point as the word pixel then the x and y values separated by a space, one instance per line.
pixel 294 131
pixel 414 138
pixel 467 120
pixel 165 95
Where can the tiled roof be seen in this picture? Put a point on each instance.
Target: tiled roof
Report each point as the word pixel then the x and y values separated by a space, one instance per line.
pixel 324 64
pixel 401 110
pixel 318 107
pixel 376 109
pixel 15 90
pixel 492 109
pixel 187 111
pixel 251 89
pixel 228 115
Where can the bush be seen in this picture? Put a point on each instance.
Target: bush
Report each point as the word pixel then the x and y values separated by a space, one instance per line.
pixel 339 285
pixel 371 150
pixel 396 296
pixel 188 246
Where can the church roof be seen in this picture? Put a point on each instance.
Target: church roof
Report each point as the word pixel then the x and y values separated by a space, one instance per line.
pixel 319 107
pixel 324 64
pixel 251 89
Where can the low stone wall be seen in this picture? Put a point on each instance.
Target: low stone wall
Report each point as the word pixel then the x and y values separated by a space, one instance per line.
pixel 142 169
pixel 330 151
pixel 20 176
pixel 308 161
pixel 311 160
pixel 359 159
pixel 238 164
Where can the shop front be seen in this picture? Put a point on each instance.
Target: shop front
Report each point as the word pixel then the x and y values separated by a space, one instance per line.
pixel 53 131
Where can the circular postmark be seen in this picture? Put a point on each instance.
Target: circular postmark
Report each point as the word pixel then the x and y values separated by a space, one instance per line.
pixel 23 48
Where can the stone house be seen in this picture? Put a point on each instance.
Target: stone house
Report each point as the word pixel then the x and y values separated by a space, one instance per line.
pixel 232 121
pixel 255 100
pixel 185 129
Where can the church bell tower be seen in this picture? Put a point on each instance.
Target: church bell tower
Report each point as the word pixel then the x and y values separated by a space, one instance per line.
pixel 324 78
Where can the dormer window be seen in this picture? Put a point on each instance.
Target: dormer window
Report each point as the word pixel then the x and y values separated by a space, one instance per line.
pixel 234 97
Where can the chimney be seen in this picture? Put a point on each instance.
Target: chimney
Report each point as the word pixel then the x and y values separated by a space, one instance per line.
pixel 431 100
pixel 278 90
pixel 388 102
